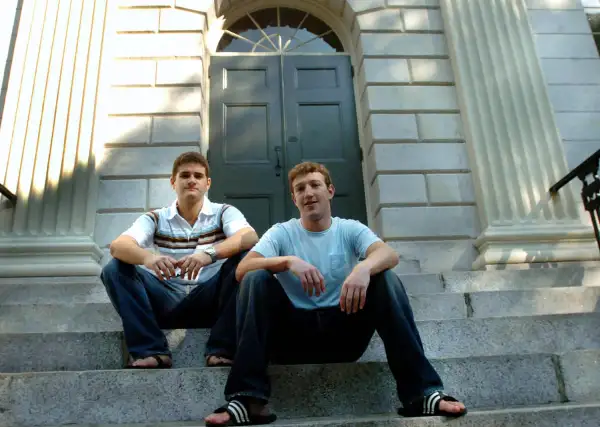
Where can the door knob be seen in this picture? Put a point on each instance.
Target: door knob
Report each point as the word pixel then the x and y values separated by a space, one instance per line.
pixel 278 165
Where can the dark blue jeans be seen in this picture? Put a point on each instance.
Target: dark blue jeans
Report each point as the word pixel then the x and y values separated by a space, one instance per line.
pixel 271 329
pixel 147 305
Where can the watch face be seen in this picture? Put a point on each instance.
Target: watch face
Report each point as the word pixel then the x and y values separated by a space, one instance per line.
pixel 211 252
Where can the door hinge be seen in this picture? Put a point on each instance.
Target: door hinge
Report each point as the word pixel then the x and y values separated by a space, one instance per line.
pixel 361 154
pixel 352 71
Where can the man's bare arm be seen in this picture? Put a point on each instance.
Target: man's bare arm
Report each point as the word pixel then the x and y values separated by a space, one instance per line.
pixel 311 279
pixel 241 241
pixel 255 261
pixel 126 249
pixel 380 257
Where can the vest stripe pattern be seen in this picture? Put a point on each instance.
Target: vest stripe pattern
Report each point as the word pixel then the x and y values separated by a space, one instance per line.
pixel 164 239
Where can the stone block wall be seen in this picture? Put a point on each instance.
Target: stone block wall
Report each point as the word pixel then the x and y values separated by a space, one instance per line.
pixel 421 189
pixel 156 106
pixel 417 172
pixel 571 66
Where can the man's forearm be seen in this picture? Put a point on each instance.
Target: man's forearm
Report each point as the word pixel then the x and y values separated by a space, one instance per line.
pixel 274 265
pixel 381 259
pixel 241 241
pixel 128 251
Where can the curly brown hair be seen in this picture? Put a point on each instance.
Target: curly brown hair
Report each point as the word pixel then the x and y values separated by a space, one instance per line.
pixel 190 157
pixel 305 168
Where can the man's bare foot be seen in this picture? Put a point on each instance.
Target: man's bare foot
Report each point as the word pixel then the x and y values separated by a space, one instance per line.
pixel 151 362
pixel 452 407
pixel 223 418
pixel 218 361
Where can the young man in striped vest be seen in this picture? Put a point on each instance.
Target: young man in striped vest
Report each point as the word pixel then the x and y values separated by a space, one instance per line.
pixel 175 268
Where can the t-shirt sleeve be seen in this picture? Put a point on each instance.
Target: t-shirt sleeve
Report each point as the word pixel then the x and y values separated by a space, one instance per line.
pixel 270 244
pixel 233 220
pixel 143 229
pixel 361 237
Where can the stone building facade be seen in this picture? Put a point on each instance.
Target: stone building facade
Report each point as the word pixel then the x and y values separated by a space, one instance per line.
pixel 466 112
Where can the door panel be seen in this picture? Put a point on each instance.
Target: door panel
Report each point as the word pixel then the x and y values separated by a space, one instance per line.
pixel 245 130
pixel 320 126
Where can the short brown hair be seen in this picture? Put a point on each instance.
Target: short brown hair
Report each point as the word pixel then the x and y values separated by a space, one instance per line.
pixel 190 157
pixel 305 168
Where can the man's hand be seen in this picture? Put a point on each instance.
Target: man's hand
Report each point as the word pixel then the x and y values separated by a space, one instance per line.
pixel 192 264
pixel 310 277
pixel 164 266
pixel 354 290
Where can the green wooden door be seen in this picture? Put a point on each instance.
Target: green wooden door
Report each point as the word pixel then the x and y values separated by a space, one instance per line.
pixel 246 137
pixel 269 113
pixel 320 126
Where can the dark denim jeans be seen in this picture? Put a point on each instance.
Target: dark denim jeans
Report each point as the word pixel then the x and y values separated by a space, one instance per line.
pixel 271 329
pixel 147 305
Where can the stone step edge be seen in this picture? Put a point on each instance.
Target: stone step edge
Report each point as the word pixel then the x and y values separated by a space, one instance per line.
pixel 470 319
pixel 481 413
pixel 567 275
pixel 555 356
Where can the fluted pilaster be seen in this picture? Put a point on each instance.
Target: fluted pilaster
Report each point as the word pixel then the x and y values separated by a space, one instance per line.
pixel 514 146
pixel 46 150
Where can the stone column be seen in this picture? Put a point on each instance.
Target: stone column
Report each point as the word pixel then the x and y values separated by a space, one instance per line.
pixel 46 140
pixel 515 150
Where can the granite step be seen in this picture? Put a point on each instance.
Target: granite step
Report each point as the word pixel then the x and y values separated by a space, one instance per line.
pixel 419 283
pixel 498 280
pixel 76 349
pixel 83 308
pixel 299 391
pixel 555 415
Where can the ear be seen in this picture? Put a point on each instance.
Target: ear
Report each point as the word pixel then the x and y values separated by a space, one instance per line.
pixel 172 182
pixel 293 198
pixel 331 191
pixel 208 183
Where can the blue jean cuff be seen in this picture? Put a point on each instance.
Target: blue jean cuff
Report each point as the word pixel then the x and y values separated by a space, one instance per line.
pixel 253 394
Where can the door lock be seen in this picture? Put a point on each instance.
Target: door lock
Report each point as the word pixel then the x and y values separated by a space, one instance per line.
pixel 278 165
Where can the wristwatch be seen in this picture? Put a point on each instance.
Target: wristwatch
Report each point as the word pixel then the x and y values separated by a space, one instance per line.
pixel 211 252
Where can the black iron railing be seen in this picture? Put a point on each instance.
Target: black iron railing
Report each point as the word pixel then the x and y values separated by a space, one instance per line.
pixel 587 172
pixel 12 198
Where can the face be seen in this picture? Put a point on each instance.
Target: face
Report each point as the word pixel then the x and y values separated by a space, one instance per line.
pixel 191 182
pixel 312 197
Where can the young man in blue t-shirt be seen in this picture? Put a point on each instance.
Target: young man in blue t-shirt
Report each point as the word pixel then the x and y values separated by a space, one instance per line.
pixel 314 290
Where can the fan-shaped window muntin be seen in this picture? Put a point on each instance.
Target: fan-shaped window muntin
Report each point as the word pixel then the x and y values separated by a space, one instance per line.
pixel 279 30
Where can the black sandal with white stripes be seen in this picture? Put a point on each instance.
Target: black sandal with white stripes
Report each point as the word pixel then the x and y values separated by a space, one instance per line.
pixel 430 406
pixel 239 415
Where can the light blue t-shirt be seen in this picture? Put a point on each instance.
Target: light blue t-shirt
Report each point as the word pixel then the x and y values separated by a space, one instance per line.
pixel 334 252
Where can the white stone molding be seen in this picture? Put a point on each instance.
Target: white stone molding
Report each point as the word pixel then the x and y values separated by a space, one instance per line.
pixel 515 150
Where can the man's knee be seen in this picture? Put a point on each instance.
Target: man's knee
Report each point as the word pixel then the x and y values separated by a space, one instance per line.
pixel 388 281
pixel 114 268
pixel 255 282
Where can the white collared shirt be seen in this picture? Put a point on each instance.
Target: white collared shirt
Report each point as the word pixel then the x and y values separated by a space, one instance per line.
pixel 166 232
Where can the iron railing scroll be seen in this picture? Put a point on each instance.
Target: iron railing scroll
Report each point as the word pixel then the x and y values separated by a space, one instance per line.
pixel 12 198
pixel 587 172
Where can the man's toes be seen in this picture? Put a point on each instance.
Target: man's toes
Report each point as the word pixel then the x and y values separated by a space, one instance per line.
pixel 453 407
pixel 218 360
pixel 221 418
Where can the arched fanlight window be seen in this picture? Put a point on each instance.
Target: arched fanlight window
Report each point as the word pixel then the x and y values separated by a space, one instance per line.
pixel 280 30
